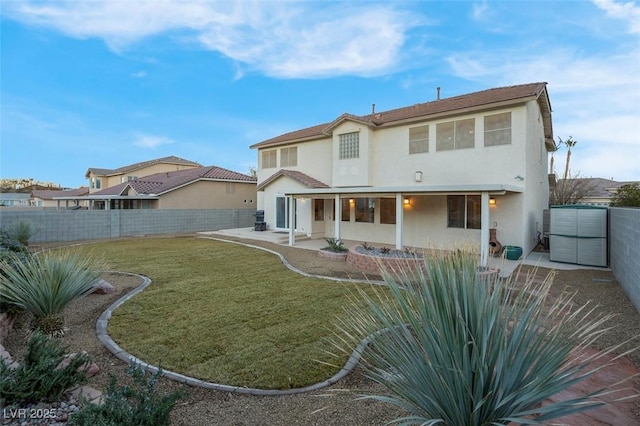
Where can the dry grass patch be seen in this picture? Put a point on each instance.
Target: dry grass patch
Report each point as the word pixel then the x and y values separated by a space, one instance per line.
pixel 224 313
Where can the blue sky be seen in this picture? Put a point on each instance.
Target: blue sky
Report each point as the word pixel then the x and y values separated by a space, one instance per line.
pixel 106 83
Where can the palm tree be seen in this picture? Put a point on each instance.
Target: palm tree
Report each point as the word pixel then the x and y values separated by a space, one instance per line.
pixel 556 146
pixel 46 284
pixel 452 348
pixel 570 143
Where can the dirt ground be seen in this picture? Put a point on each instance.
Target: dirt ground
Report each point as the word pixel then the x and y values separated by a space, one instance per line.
pixel 336 405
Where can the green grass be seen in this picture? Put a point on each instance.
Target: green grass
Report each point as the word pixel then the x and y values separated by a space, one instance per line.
pixel 225 313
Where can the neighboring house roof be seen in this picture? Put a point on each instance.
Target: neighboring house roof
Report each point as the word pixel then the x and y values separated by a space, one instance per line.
pixel 137 166
pixel 496 97
pixel 600 187
pixel 304 179
pixel 13 196
pixel 48 195
pixel 160 183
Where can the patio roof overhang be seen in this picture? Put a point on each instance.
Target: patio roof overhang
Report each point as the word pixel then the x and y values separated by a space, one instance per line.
pixel 373 191
pixel 111 197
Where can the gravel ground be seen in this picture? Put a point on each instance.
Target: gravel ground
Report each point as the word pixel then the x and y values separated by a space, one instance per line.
pixel 335 405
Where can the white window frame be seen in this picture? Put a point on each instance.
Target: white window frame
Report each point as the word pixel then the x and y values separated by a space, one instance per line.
pixel 349 145
pixel 493 134
pixel 269 159
pixel 289 156
pixel 457 138
pixel 417 143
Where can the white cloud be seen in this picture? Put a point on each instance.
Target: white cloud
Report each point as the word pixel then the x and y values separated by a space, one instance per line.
pixel 280 39
pixel 139 74
pixel 151 141
pixel 627 11
pixel 480 10
pixel 594 99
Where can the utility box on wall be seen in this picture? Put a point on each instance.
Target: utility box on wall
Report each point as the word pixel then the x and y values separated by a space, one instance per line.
pixel 578 234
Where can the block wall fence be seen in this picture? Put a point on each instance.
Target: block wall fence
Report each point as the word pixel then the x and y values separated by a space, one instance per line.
pixel 79 225
pixel 624 250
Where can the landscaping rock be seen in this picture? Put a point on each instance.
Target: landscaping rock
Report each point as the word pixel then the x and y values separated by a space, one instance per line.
pixel 88 393
pixel 91 369
pixel 6 356
pixel 103 287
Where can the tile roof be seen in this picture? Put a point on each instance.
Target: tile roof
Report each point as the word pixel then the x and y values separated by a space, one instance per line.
pixel 161 183
pixel 49 194
pixel 131 167
pixel 600 187
pixel 445 106
pixel 304 179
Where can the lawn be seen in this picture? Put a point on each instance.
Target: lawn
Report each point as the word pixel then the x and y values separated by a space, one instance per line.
pixel 225 313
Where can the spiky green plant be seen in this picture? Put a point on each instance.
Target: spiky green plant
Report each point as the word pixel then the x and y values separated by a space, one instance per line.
pixel 454 349
pixel 22 232
pixel 45 285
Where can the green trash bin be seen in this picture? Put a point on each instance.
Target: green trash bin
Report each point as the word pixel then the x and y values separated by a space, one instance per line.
pixel 513 252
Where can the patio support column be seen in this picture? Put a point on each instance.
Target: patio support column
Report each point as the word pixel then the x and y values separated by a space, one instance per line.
pixel 484 228
pixel 399 220
pixel 292 226
pixel 337 216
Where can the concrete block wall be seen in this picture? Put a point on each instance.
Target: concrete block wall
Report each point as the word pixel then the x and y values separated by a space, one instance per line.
pixel 80 225
pixel 624 250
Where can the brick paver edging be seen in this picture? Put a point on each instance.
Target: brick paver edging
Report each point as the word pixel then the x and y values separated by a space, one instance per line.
pixel 107 341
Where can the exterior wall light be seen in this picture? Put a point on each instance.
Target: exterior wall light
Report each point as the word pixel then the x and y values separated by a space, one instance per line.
pixel 418 176
pixel 492 201
pixel 406 201
pixel 351 201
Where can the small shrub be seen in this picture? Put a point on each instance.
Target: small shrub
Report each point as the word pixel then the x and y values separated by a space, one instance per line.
pixel 37 379
pixel 385 250
pixel 336 245
pixel 367 246
pixel 138 404
pixel 410 252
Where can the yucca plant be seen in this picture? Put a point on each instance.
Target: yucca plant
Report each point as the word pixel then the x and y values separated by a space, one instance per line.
pixel 454 349
pixel 45 285
pixel 22 232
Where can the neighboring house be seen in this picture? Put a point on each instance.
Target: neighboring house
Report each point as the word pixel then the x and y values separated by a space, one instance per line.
pixel 599 191
pixel 14 199
pixel 436 174
pixel 194 188
pixel 51 198
pixel 100 179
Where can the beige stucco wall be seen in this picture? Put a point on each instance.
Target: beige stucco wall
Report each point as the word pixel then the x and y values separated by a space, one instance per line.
pixel 210 195
pixel 312 160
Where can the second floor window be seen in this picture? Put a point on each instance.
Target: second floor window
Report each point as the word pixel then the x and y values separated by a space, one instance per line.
pixel 349 145
pixel 497 129
pixel 96 183
pixel 418 139
pixel 289 157
pixel 269 159
pixel 455 135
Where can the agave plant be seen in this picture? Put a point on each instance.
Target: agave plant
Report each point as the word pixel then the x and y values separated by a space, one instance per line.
pixel 454 349
pixel 46 284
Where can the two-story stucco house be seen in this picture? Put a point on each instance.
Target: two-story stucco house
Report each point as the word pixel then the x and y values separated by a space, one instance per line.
pixel 436 174
pixel 100 179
